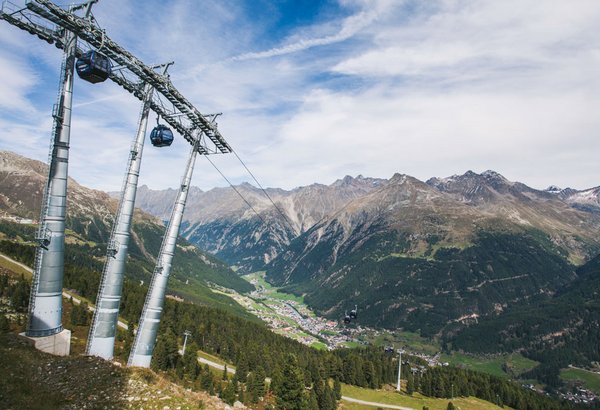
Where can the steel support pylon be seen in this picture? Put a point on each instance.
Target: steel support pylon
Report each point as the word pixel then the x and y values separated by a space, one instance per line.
pixel 101 340
pixel 45 302
pixel 145 338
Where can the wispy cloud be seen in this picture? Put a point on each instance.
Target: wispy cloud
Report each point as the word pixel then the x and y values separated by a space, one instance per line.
pixel 350 26
pixel 426 88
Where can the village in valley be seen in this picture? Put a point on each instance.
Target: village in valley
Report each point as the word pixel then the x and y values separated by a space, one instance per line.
pixel 288 315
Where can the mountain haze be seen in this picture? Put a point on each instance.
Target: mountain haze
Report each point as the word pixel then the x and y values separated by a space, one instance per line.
pixel 221 223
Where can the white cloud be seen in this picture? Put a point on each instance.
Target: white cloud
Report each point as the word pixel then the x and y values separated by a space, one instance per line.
pixel 426 88
pixel 16 81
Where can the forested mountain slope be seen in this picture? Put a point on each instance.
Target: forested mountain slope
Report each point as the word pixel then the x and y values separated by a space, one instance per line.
pixel 89 219
pixel 428 255
pixel 557 330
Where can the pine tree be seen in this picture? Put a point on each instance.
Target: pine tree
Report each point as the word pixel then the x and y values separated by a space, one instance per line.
pixel 160 359
pixel 224 376
pixel 276 379
pixel 313 403
pixel 337 389
pixel 75 315
pixel 251 393
pixel 319 389
pixel 410 385
pixel 160 356
pixel 259 382
pixel 3 285
pixel 127 341
pixel 330 401
pixel 241 370
pixel 290 393
pixel 171 349
pixel 166 354
pixel 228 394
pixel 84 314
pixel 191 367
pixel 20 295
pixel 4 324
pixel 207 378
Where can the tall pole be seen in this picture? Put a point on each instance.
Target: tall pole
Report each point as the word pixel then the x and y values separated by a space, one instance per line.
pixel 399 368
pixel 145 338
pixel 101 341
pixel 45 302
pixel 186 334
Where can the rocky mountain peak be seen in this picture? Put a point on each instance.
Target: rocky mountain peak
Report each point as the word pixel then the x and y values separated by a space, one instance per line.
pixel 398 178
pixel 586 200
pixel 472 187
pixel 490 174
pixel 553 189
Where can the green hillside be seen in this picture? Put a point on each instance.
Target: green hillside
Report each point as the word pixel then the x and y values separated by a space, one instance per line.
pixel 84 261
pixel 555 330
pixel 426 292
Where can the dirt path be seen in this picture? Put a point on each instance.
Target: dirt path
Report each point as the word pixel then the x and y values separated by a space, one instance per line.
pixel 370 403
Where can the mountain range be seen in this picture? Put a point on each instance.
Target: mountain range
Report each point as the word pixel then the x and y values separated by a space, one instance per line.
pixel 221 223
pixel 436 256
pixel 420 255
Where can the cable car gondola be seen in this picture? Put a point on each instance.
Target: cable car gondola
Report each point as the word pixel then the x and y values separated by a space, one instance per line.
pixel 354 312
pixel 161 136
pixel 93 66
pixel 347 318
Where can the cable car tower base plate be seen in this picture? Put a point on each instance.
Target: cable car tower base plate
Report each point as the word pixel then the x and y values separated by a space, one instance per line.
pixel 58 344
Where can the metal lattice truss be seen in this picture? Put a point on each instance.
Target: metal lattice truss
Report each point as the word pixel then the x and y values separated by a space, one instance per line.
pixel 48 21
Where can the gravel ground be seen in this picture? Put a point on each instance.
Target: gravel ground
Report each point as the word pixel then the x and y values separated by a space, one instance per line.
pixel 30 379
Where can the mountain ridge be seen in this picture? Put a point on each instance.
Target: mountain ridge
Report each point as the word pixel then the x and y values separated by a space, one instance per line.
pixel 219 207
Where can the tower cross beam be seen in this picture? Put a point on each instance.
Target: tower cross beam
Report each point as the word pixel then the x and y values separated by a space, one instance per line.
pixel 132 75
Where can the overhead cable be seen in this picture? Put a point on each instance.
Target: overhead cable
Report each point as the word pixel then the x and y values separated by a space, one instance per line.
pixel 236 190
pixel 285 218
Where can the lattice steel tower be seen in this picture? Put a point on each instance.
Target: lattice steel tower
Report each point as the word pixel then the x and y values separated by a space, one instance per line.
pixel 82 38
pixel 145 338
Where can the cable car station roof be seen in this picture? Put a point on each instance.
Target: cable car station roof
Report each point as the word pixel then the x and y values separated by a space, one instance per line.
pixel 47 21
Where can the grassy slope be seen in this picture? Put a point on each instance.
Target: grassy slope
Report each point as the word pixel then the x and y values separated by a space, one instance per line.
pixel 496 365
pixel 590 380
pixel 416 401
pixel 411 340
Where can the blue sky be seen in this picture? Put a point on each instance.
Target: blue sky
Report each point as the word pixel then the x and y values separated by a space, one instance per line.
pixel 312 91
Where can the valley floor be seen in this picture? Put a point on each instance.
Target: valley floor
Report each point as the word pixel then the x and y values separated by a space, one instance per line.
pixel 288 315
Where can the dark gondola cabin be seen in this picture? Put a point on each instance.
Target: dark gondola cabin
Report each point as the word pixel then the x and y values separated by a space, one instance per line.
pixel 354 312
pixel 347 318
pixel 161 136
pixel 93 67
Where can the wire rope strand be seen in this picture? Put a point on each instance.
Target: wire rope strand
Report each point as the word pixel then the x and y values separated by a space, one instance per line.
pixel 285 218
pixel 236 190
